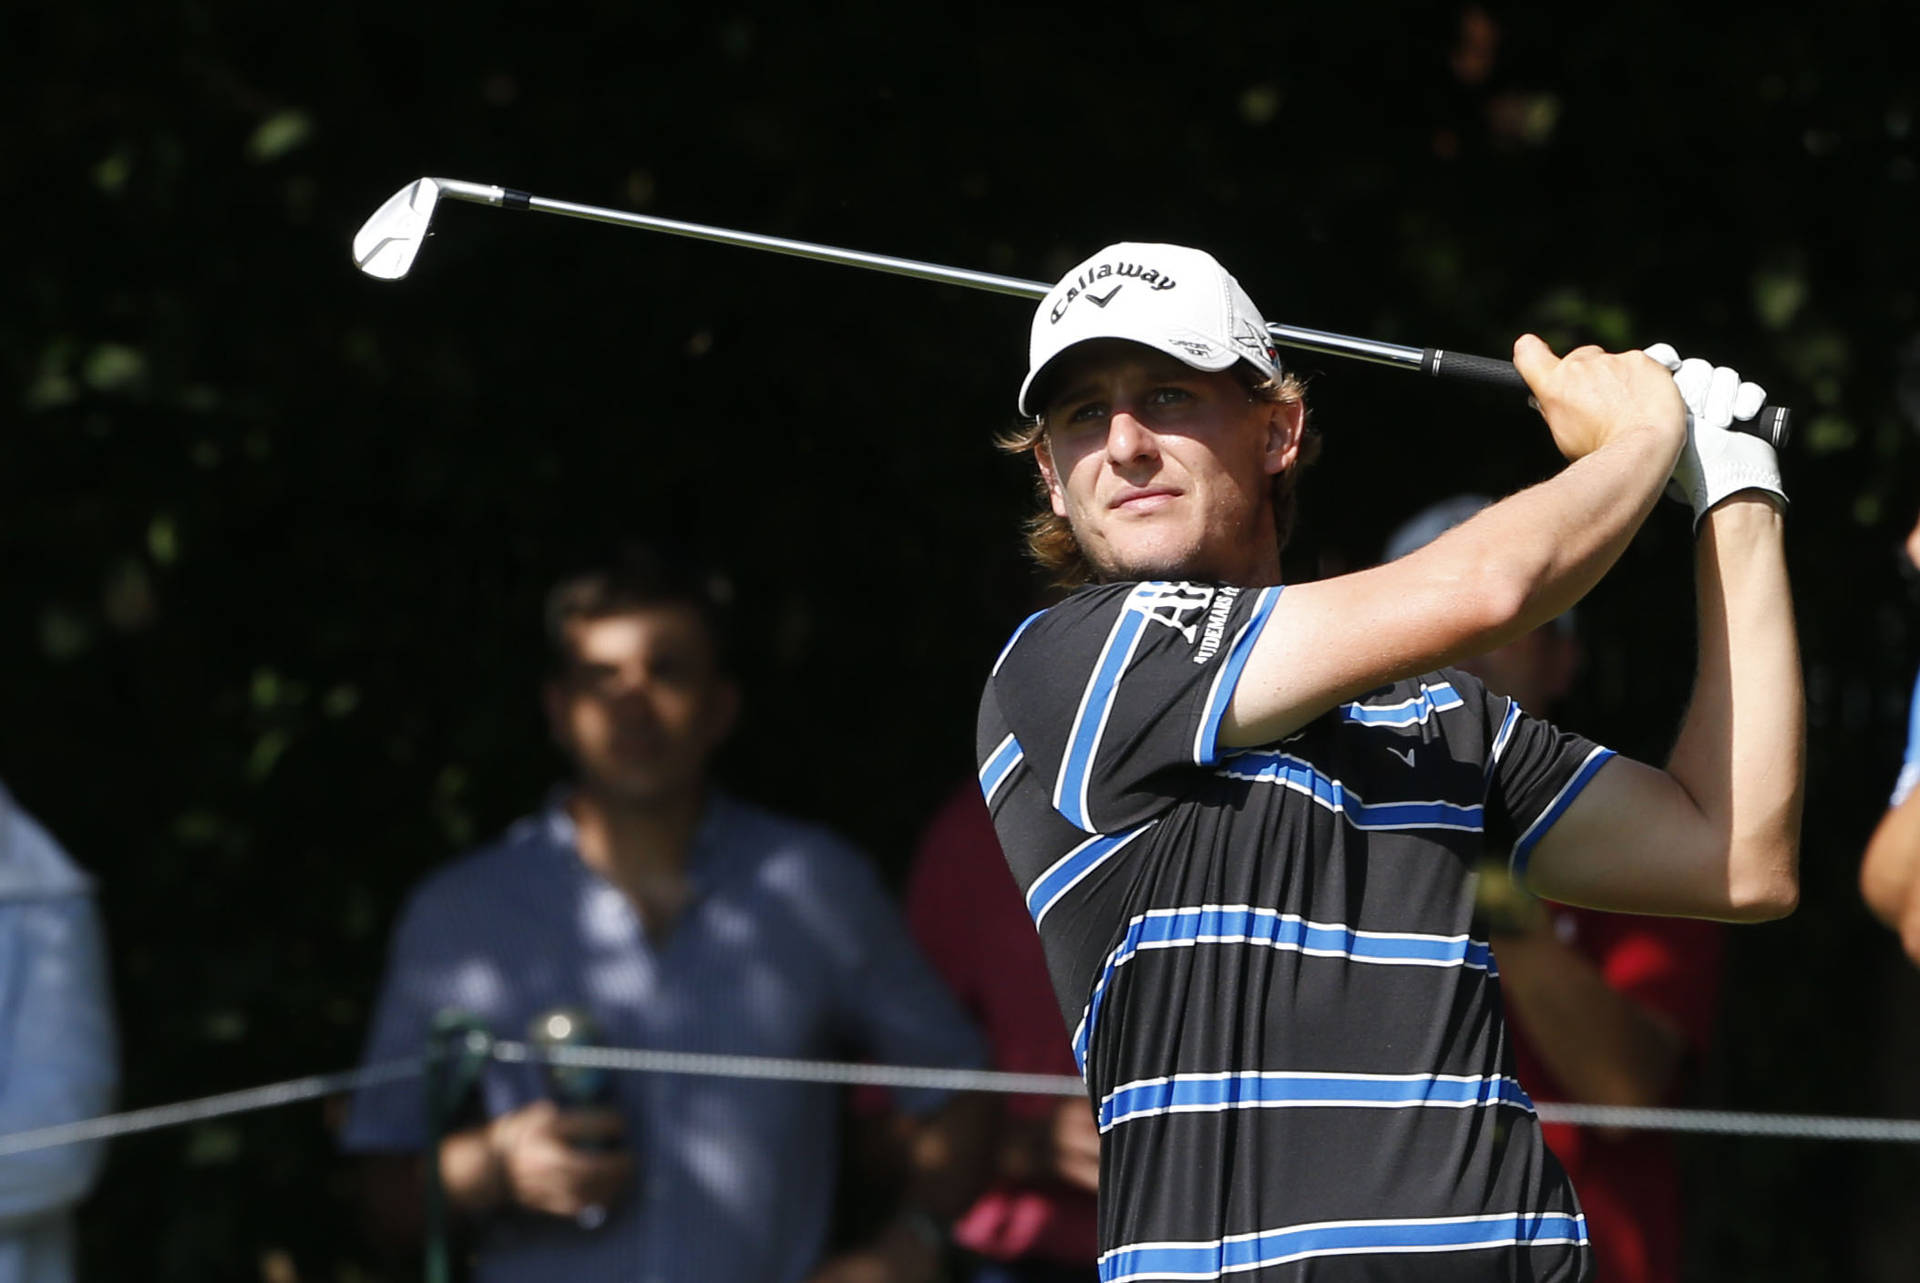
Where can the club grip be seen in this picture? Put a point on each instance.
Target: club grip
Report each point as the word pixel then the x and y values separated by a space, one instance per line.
pixel 1774 423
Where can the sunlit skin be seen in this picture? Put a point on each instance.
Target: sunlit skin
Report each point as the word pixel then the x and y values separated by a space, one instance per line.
pixel 1164 471
pixel 641 706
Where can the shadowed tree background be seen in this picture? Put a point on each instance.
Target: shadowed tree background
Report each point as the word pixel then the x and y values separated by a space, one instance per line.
pixel 275 533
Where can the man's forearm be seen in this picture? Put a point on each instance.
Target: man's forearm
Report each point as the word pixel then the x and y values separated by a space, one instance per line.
pixel 1485 583
pixel 1740 754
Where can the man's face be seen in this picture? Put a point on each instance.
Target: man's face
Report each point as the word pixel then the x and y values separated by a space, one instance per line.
pixel 642 703
pixel 1164 471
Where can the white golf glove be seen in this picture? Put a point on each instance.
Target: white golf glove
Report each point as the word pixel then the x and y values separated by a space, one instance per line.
pixel 1717 461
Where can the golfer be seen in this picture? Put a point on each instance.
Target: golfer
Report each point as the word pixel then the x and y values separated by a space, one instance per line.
pixel 1245 815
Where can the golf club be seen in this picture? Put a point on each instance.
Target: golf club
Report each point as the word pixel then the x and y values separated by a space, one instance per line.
pixel 387 244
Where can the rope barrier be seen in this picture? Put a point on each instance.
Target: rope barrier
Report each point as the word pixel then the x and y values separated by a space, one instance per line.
pixel 195 1111
pixel 1727 1123
pixel 838 1073
pixel 834 1072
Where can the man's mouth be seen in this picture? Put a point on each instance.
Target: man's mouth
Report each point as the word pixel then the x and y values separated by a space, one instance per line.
pixel 1143 499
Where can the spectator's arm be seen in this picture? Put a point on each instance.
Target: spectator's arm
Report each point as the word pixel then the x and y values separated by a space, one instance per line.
pixel 532 1157
pixel 894 1007
pixel 1602 1046
pixel 64 1051
pixel 1890 873
pixel 1061 1145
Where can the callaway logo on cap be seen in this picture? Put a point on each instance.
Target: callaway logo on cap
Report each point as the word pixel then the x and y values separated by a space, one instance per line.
pixel 1171 298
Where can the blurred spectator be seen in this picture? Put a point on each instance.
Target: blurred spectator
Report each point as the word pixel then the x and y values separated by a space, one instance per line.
pixel 1036 1222
pixel 1605 1009
pixel 674 917
pixel 1890 872
pixel 59 1059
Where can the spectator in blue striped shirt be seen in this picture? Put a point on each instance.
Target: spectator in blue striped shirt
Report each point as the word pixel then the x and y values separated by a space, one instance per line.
pixel 675 917
pixel 59 1052
pixel 1890 873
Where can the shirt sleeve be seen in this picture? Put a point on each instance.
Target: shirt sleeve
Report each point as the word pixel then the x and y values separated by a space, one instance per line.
pixel 888 1001
pixel 432 968
pixel 1117 691
pixel 62 1055
pixel 1534 772
pixel 440 961
pixel 1910 761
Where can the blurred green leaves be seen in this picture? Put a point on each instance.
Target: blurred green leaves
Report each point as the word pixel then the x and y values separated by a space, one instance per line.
pixel 281 133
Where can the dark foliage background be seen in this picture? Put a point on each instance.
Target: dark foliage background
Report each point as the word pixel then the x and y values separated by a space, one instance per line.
pixel 274 533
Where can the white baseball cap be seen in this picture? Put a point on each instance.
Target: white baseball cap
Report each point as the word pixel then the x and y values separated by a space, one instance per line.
pixel 1171 298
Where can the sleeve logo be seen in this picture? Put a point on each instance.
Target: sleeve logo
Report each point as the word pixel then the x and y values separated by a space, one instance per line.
pixel 1198 612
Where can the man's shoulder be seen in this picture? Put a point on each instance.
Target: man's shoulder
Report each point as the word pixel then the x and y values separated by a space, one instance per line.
pixel 771 840
pixel 32 863
pixel 496 873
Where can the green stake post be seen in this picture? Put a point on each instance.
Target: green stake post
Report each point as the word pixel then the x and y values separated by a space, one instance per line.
pixel 458 1046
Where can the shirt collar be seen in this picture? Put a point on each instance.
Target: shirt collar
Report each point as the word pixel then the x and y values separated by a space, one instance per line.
pixel 705 855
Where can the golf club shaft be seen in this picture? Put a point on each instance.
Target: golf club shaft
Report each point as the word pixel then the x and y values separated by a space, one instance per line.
pixel 1773 424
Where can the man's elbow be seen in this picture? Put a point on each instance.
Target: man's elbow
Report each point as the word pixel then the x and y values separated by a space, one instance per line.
pixel 1767 888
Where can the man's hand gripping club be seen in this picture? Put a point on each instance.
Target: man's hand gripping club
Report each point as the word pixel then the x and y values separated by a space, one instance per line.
pixel 1717 462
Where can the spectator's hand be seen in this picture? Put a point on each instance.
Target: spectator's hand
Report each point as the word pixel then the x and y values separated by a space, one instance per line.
pixel 1076 1145
pixel 546 1165
pixel 899 1255
pixel 1063 1145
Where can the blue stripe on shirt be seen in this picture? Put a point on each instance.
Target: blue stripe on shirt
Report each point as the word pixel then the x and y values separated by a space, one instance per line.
pixel 1070 868
pixel 1213 1093
pixel 1408 712
pixel 1083 744
pixel 1243 924
pixel 1242 1252
pixel 999 766
pixel 1294 773
pixel 1523 846
pixel 1206 746
pixel 1008 648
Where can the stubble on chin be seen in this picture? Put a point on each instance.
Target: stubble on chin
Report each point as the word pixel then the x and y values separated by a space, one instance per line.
pixel 1134 565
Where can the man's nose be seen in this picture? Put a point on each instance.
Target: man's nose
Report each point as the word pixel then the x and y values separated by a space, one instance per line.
pixel 631 697
pixel 1129 439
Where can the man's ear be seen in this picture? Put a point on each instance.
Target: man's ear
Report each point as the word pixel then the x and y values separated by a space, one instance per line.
pixel 1043 458
pixel 1285 420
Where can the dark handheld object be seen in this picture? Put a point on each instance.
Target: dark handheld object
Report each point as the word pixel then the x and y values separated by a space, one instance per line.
pixel 1774 423
pixel 389 241
pixel 572 1086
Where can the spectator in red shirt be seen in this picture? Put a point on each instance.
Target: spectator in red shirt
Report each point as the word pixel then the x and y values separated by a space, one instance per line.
pixel 1605 1009
pixel 1035 1222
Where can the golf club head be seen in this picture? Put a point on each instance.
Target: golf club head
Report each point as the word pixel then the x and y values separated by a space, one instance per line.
pixel 387 243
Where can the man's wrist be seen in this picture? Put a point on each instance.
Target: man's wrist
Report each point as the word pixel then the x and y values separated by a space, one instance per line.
pixel 473 1170
pixel 1757 500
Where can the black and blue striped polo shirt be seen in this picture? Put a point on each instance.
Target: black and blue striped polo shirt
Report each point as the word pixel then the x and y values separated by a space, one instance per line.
pixel 1292 1040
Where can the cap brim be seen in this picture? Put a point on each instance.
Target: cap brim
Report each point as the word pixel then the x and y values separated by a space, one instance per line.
pixel 1035 381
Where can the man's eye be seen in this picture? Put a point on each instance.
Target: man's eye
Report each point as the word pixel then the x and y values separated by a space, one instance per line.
pixel 1169 396
pixel 1091 412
